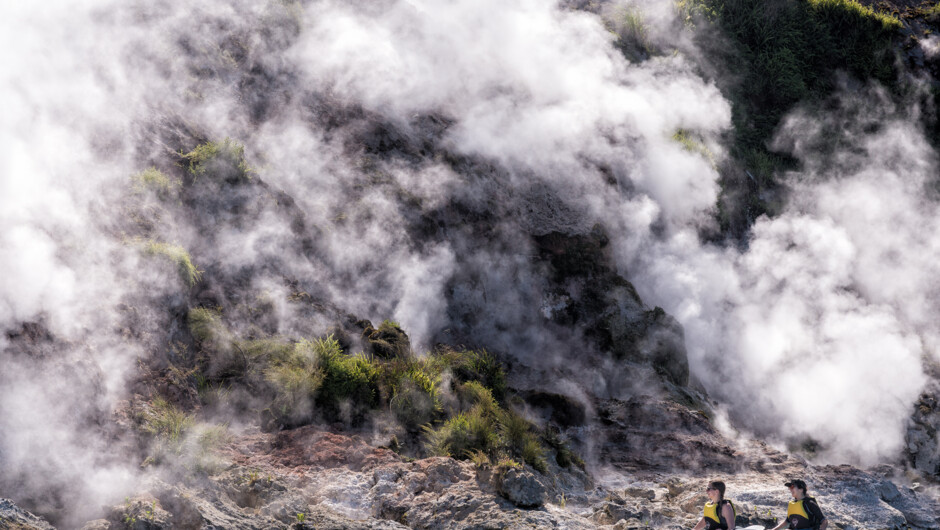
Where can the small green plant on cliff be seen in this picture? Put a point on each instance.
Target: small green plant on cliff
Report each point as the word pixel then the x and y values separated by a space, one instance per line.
pixel 485 428
pixel 205 324
pixel 167 421
pixel 176 254
pixel 167 425
pixel 694 145
pixel 152 179
pixel 296 377
pixel 225 160
pixel 203 454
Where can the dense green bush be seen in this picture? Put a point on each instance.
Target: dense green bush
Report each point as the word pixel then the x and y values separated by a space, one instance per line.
pixel 389 341
pixel 302 380
pixel 414 387
pixel 480 366
pixel 474 429
pixel 348 380
pixel 485 428
pixel 205 325
pixel 176 437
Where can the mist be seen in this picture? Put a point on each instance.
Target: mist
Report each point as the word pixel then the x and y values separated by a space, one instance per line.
pixel 818 327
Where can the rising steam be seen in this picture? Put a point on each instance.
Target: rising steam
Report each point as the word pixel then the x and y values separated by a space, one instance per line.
pixel 818 328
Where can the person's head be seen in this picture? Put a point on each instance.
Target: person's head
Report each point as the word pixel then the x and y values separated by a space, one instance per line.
pixel 797 488
pixel 715 490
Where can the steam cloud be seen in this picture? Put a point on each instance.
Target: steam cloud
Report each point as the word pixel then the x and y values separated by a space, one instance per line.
pixel 819 328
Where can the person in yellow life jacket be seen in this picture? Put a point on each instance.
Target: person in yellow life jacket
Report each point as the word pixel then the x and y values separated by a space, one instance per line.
pixel 802 511
pixel 718 513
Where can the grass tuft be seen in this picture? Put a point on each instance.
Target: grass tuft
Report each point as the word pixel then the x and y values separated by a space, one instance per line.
pixel 154 180
pixel 224 160
pixel 296 378
pixel 694 145
pixel 188 272
pixel 347 379
pixel 205 324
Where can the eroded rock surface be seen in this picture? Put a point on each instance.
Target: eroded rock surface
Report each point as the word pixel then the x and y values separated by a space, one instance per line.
pixel 314 478
pixel 13 517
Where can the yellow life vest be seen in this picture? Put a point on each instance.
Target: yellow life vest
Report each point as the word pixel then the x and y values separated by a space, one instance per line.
pixel 711 512
pixel 713 516
pixel 797 515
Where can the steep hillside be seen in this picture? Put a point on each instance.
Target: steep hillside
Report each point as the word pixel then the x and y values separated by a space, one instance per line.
pixel 469 265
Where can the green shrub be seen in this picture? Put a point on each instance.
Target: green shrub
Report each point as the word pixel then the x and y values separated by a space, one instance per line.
pixel 205 325
pixel 480 366
pixel 204 453
pixel 273 350
pixel 533 454
pixel 176 254
pixel 166 421
pixel 631 31
pixel 224 160
pixel 474 394
pixel 485 428
pixel 154 180
pixel 564 456
pixel 168 426
pixel 177 435
pixel 389 341
pixel 226 358
pixel 296 378
pixel 521 440
pixel 347 379
pixel 694 145
pixel 416 396
pixel 463 435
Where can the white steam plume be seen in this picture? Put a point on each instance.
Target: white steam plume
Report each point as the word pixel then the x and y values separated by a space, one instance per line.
pixel 821 327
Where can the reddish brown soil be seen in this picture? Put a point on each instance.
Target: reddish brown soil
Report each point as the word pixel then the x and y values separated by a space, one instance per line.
pixel 308 447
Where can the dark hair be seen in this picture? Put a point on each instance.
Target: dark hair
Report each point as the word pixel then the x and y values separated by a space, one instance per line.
pixel 720 486
pixel 798 484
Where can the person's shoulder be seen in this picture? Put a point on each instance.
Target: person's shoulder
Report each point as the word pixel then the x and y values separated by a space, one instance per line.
pixel 813 505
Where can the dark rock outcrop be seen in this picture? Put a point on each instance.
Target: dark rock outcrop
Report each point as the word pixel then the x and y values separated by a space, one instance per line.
pixel 12 517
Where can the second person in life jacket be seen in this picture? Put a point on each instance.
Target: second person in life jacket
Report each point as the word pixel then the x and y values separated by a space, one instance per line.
pixel 719 513
pixel 802 511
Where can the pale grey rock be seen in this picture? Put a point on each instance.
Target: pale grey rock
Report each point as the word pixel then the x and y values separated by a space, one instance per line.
pixel 12 516
pixel 522 488
pixel 608 512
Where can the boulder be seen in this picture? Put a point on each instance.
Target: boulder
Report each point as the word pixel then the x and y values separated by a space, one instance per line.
pixel 522 488
pixel 922 447
pixel 14 517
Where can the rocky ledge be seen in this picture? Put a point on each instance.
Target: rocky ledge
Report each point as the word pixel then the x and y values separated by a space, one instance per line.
pixel 312 477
